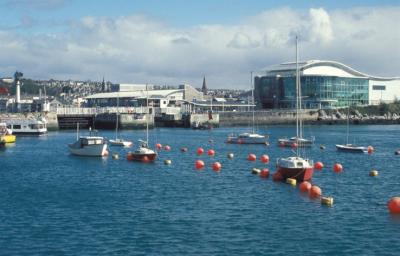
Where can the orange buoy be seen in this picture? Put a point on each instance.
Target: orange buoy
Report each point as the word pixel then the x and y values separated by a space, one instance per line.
pixel 277 176
pixel 216 166
pixel 294 145
pixel 264 159
pixel 305 186
pixel 184 149
pixel 315 192
pixel 318 165
pixel 370 149
pixel 200 151
pixel 129 157
pixel 158 146
pixel 394 205
pixel 199 164
pixel 264 173
pixel 211 152
pixel 251 157
pixel 167 148
pixel 337 168
pixel 145 159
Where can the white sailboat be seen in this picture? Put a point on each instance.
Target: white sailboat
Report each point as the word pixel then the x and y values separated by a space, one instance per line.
pixel 88 145
pixel 249 137
pixel 296 167
pixel 351 148
pixel 144 153
pixel 119 141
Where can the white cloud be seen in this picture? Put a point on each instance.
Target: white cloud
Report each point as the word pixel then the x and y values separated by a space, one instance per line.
pixel 139 49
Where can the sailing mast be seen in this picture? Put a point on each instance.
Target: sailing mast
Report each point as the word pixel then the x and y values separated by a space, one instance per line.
pixel 116 126
pixel 252 95
pixel 297 96
pixel 147 116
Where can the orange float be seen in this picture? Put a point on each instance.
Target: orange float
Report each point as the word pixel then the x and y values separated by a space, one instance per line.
pixel 264 173
pixel 217 166
pixel 305 186
pixel 337 168
pixel 199 164
pixel 200 151
pixel 251 157
pixel 294 145
pixel 318 165
pixel 211 152
pixel 315 192
pixel 370 149
pixel 264 159
pixel 158 146
pixel 394 205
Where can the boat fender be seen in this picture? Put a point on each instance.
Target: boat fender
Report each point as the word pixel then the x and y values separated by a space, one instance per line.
pixel 328 201
pixel 291 181
pixel 255 171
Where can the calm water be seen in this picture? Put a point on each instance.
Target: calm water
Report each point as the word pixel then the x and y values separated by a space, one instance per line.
pixel 52 203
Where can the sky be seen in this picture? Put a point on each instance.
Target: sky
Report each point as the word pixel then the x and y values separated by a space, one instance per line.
pixel 176 41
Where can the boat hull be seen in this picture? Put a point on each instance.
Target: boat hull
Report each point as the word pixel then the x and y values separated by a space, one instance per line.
pixel 9 138
pixel 351 149
pixel 290 143
pixel 120 143
pixel 92 150
pixel 146 158
pixel 247 141
pixel 300 174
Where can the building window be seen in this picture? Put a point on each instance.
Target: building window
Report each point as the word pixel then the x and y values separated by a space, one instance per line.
pixel 379 87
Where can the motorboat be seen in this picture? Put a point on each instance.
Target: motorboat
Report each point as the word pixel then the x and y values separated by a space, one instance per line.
pixel 6 135
pixel 88 145
pixel 296 142
pixel 248 138
pixel 27 126
pixel 351 148
pixel 142 154
pixel 296 167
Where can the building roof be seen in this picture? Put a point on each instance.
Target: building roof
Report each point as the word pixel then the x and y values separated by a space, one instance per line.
pixel 324 67
pixel 135 94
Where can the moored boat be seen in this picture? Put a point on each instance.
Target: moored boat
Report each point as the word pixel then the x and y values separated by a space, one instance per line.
pixel 142 154
pixel 248 138
pixel 89 146
pixel 296 141
pixel 6 135
pixel 26 126
pixel 120 142
pixel 351 148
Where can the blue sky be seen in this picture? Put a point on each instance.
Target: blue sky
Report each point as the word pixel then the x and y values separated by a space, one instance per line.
pixel 171 42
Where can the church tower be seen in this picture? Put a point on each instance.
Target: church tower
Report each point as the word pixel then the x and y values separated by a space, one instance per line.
pixel 204 87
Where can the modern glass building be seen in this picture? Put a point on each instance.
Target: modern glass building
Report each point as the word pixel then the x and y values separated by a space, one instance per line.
pixel 324 84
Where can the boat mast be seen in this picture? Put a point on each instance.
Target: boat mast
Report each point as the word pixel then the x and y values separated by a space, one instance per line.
pixel 147 116
pixel 116 126
pixel 77 131
pixel 252 95
pixel 297 96
pixel 348 123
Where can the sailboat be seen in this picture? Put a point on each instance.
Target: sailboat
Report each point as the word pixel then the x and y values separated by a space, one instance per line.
pixel 350 147
pixel 118 141
pixel 249 137
pixel 296 167
pixel 143 153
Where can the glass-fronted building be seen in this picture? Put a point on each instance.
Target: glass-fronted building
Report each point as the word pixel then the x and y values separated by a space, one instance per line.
pixel 324 84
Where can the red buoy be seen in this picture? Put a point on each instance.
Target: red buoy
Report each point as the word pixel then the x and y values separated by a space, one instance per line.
pixel 277 176
pixel 167 148
pixel 264 159
pixel 315 192
pixel 294 145
pixel 129 157
pixel 145 159
pixel 264 173
pixel 158 146
pixel 251 157
pixel 216 166
pixel 318 165
pixel 211 152
pixel 305 186
pixel 282 144
pixel 370 149
pixel 200 151
pixel 199 164
pixel 394 205
pixel 337 168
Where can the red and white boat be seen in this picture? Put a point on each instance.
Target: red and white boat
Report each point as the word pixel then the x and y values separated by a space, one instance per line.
pixel 142 154
pixel 295 167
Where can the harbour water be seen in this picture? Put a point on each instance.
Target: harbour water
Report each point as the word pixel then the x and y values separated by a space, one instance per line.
pixel 53 203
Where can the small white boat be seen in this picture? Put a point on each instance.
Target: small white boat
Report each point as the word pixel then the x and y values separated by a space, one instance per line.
pixel 298 141
pixel 351 148
pixel 248 138
pixel 120 142
pixel 26 126
pixel 142 154
pixel 88 145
